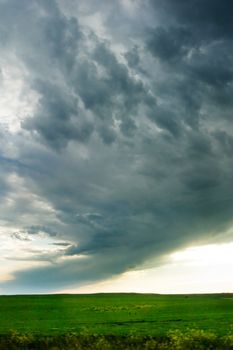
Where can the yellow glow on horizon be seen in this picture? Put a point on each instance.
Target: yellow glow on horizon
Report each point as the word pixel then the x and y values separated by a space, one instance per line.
pixel 200 269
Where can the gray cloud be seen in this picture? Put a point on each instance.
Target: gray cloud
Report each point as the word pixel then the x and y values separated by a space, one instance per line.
pixel 212 19
pixel 35 229
pixel 128 148
pixel 170 44
pixel 20 236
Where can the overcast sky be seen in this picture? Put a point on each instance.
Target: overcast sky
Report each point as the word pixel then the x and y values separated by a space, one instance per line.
pixel 116 141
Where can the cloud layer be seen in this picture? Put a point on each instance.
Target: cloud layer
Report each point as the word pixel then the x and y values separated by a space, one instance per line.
pixel 123 152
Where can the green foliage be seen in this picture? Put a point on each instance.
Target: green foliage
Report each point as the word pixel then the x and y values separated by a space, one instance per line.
pixel 175 340
pixel 116 321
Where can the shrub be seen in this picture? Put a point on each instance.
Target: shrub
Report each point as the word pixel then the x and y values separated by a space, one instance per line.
pixel 174 340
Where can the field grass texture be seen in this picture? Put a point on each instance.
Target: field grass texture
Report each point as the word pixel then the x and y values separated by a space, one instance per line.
pixel 116 321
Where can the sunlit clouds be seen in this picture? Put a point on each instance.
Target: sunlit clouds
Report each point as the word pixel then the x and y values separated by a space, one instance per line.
pixel 201 269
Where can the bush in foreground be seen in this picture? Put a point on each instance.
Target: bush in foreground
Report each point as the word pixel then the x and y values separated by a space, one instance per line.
pixel 175 340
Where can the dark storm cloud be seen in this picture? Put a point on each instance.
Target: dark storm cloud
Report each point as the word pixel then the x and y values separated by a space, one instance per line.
pixel 169 43
pixel 57 117
pixel 206 18
pixel 62 244
pixel 193 42
pixel 132 57
pixel 130 148
pixel 70 68
pixel 202 29
pixel 35 229
pixel 41 25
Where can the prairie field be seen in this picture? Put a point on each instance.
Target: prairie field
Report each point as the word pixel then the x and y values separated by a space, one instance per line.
pixel 109 321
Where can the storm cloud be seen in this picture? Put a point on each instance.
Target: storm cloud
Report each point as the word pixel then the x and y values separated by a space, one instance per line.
pixel 124 143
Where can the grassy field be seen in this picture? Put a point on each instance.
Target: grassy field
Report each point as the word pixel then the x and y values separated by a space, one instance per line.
pixel 119 315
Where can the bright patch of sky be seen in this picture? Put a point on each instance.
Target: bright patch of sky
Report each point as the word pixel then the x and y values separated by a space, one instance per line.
pixel 200 269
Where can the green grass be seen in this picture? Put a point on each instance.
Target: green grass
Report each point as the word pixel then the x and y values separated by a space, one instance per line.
pixel 116 314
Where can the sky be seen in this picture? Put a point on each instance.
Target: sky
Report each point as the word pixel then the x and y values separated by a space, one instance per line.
pixel 116 143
